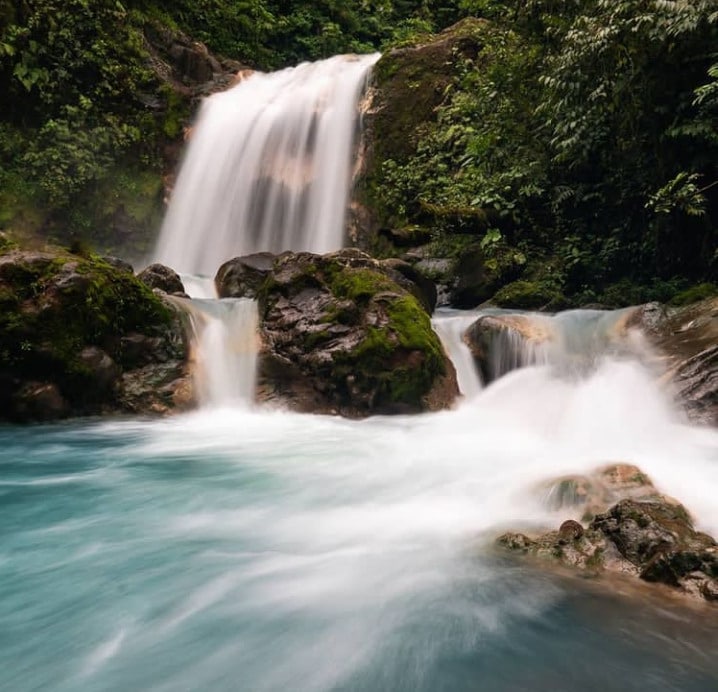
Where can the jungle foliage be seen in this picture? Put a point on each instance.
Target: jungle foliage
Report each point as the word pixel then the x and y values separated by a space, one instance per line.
pixel 585 131
pixel 581 132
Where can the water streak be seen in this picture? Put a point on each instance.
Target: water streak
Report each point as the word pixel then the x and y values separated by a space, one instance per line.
pixel 226 348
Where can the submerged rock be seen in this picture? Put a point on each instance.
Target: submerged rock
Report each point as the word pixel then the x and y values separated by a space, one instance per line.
pixel 654 540
pixel 593 493
pixel 74 332
pixel 343 333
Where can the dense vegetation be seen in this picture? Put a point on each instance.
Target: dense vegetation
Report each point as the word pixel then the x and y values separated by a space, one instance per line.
pixel 577 143
pixel 582 133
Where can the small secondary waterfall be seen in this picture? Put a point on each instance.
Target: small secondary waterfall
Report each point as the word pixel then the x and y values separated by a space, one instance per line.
pixel 226 347
pixel 450 327
pixel 572 342
pixel 268 167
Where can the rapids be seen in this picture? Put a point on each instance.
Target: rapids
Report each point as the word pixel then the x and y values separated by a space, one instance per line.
pixel 260 550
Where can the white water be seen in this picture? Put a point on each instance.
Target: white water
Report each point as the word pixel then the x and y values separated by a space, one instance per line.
pixel 268 167
pixel 225 351
pixel 450 327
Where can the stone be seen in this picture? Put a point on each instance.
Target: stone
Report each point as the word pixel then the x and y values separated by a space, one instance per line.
pixel 593 493
pixel 164 278
pixel 242 277
pixel 686 343
pixel 74 330
pixel 654 540
pixel 342 333
pixel 501 343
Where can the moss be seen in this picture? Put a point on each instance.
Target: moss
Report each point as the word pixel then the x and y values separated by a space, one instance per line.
pixel 694 294
pixel 596 559
pixel 404 357
pixel 54 306
pixel 528 295
pixel 359 284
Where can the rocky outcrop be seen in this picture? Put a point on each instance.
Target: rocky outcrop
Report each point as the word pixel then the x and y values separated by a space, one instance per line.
pixel 409 84
pixel 686 340
pixel 162 278
pixel 343 333
pixel 242 277
pixel 653 540
pixel 79 336
pixel 501 343
pixel 593 493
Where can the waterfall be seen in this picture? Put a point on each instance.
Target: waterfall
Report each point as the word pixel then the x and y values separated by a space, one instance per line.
pixel 268 167
pixel 573 342
pixel 450 328
pixel 226 348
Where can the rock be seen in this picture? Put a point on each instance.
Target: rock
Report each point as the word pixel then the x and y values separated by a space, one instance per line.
pixel 569 531
pixel 686 338
pixel 501 343
pixel 595 492
pixel 164 278
pixel 421 287
pixel 39 401
pixel 242 277
pixel 341 334
pixel 118 263
pixel 654 540
pixel 529 295
pixel 408 84
pixel 73 330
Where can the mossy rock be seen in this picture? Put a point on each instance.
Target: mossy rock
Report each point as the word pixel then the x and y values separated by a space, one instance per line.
pixel 68 321
pixel 529 295
pixel 341 334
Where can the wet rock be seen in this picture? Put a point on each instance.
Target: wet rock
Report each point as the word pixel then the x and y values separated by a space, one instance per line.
pixel 593 493
pixel 686 340
pixel 39 401
pixel 162 277
pixel 118 263
pixel 417 283
pixel 242 277
pixel 569 531
pixel 501 343
pixel 341 334
pixel 73 330
pixel 654 540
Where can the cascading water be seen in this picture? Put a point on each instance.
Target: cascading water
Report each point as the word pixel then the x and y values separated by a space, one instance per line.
pixel 226 348
pixel 245 548
pixel 268 167
pixel 450 327
pixel 572 342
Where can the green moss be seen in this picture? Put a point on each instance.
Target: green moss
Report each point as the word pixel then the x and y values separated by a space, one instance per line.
pixel 694 294
pixel 359 284
pixel 528 295
pixel 94 305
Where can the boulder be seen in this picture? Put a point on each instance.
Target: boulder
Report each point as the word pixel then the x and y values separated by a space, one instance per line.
pixel 341 333
pixel 242 277
pixel 593 493
pixel 686 340
pixel 163 278
pixel 654 540
pixel 501 343
pixel 74 329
